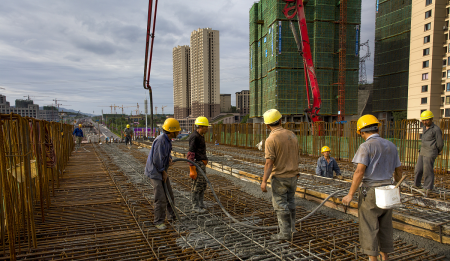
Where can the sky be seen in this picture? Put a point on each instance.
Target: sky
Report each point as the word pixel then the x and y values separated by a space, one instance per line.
pixel 89 55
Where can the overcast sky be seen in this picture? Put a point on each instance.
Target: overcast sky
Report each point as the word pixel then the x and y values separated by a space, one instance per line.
pixel 90 53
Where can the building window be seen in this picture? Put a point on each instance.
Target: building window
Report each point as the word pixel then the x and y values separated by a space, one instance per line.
pixel 444 62
pixel 424 76
pixel 447 99
pixel 424 88
pixel 443 74
pixel 427 14
pixel 428 2
pixel 427 51
pixel 425 64
pixel 427 27
pixel 447 112
pixel 448 74
pixel 448 86
pixel 426 39
pixel 423 100
pixel 442 101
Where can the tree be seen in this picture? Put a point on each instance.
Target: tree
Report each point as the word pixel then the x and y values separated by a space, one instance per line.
pixel 220 122
pixel 233 109
pixel 244 120
pixel 399 115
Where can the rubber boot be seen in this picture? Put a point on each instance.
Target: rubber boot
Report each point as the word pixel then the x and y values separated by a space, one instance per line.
pixel 284 222
pixel 292 212
pixel 196 202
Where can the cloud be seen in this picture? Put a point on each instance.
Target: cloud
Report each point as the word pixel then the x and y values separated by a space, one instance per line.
pixel 91 53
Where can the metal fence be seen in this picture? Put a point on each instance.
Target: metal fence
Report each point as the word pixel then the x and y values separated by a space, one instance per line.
pixel 341 138
pixel 33 154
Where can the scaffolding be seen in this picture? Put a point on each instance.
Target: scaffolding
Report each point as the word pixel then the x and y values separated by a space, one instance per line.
pixel 276 68
pixel 392 42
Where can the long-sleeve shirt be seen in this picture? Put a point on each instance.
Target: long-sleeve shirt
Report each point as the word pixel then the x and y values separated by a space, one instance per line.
pixel 325 169
pixel 159 157
pixel 77 132
pixel 197 147
pixel 128 132
pixel 432 143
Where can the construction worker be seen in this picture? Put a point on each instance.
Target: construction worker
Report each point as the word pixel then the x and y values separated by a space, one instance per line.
pixel 326 164
pixel 158 161
pixel 78 134
pixel 432 145
pixel 128 134
pixel 197 153
pixel 377 159
pixel 281 153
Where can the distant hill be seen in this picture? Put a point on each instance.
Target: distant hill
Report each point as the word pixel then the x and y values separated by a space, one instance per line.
pixel 73 111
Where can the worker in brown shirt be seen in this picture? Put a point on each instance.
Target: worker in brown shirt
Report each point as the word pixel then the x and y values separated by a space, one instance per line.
pixel 281 153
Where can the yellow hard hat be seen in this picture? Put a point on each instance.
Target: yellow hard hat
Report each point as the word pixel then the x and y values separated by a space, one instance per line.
pixel 365 121
pixel 79 125
pixel 202 121
pixel 171 125
pixel 271 116
pixel 325 148
pixel 426 115
pixel 128 125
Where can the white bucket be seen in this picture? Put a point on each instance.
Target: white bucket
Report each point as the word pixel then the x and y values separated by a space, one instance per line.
pixel 387 197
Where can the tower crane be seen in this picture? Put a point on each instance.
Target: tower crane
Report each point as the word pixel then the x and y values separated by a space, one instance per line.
pixel 156 110
pixel 162 108
pixel 28 96
pixel 111 106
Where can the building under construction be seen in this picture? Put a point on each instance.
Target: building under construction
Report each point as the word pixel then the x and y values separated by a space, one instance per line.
pixel 392 51
pixel 276 68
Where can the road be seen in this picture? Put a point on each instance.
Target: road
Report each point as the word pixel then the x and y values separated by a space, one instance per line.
pixel 104 130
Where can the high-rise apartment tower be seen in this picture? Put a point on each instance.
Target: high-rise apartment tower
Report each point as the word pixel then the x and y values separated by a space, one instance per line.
pixel 276 68
pixel 181 81
pixel 392 50
pixel 205 73
pixel 429 74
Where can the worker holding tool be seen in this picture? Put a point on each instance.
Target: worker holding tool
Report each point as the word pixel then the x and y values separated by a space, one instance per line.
pixel 197 153
pixel 432 145
pixel 158 161
pixel 326 164
pixel 78 134
pixel 281 153
pixel 377 159
pixel 128 134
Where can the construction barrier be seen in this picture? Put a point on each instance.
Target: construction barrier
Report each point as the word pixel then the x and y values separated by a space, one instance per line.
pixel 33 155
pixel 341 138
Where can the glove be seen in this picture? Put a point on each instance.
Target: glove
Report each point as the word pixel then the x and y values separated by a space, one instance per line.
pixel 205 162
pixel 193 172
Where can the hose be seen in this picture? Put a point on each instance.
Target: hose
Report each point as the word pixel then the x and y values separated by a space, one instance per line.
pixel 226 212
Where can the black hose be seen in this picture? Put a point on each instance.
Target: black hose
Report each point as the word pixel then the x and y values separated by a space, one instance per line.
pixel 170 201
pixel 226 212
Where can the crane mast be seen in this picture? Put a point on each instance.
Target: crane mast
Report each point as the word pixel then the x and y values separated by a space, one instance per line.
pixel 296 8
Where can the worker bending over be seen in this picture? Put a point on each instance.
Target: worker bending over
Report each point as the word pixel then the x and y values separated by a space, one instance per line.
pixel 78 134
pixel 432 145
pixel 128 134
pixel 197 153
pixel 281 153
pixel 158 161
pixel 326 164
pixel 377 159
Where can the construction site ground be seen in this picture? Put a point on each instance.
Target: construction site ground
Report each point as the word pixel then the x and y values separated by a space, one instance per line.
pixel 103 209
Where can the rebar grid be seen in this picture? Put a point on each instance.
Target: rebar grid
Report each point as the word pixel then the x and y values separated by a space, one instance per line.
pixel 310 242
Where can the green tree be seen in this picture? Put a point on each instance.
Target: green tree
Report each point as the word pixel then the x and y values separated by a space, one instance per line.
pixel 220 122
pixel 399 115
pixel 244 120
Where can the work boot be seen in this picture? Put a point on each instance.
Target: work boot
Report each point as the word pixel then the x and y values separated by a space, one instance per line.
pixel 200 200
pixel 284 222
pixel 292 212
